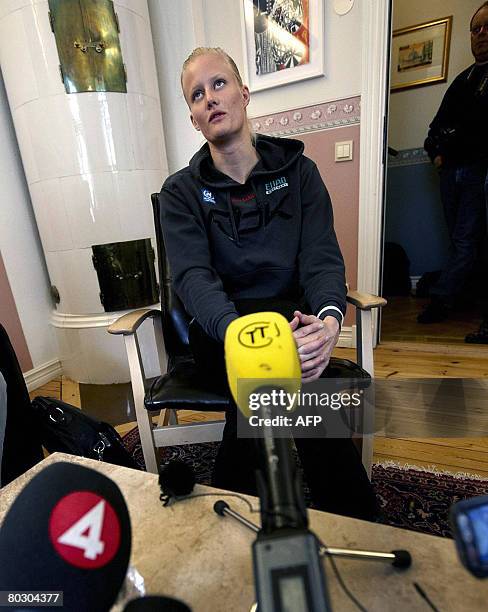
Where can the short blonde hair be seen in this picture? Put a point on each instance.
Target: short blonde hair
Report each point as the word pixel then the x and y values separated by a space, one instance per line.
pixel 211 51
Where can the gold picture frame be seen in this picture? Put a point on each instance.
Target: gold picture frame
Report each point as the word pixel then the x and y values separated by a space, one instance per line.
pixel 420 54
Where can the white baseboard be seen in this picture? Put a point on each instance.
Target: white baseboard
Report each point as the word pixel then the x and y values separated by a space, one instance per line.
pixel 347 337
pixel 41 375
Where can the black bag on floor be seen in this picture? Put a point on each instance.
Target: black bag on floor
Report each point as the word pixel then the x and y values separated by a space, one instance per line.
pixel 66 429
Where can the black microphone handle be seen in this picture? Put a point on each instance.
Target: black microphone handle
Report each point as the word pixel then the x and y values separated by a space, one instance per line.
pixel 279 485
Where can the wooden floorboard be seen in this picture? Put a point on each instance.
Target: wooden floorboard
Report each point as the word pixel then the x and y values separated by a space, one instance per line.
pixel 456 453
pixel 50 389
pixel 396 360
pixel 399 322
pixel 426 454
pixel 70 392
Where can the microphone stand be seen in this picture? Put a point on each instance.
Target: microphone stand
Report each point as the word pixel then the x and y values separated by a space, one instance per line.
pixel 398 558
pixel 282 502
pixel 287 569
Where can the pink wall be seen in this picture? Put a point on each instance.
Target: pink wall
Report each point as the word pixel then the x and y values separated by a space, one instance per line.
pixel 342 180
pixel 320 126
pixel 9 318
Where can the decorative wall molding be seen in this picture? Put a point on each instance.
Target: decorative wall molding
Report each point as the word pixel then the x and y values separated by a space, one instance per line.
pixel 43 374
pixel 409 157
pixel 323 116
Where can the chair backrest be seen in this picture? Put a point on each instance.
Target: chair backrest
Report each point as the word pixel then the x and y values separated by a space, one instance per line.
pixel 176 320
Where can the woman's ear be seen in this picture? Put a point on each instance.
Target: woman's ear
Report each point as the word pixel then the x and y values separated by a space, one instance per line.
pixel 194 123
pixel 246 95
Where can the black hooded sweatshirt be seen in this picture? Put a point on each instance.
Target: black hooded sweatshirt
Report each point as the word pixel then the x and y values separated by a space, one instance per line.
pixel 270 237
pixel 459 131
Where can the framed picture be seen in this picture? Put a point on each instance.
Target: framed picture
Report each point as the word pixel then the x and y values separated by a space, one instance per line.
pixel 420 54
pixel 283 41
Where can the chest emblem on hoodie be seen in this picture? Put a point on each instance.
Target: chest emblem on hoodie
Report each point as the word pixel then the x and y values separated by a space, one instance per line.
pixel 208 196
pixel 276 184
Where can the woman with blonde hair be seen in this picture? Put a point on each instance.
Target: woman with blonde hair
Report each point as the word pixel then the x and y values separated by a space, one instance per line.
pixel 248 226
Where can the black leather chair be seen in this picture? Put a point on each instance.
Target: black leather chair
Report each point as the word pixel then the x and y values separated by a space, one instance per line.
pixel 181 387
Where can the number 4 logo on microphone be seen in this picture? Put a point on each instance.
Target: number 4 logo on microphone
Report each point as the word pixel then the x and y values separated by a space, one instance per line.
pixel 85 533
pixel 85 530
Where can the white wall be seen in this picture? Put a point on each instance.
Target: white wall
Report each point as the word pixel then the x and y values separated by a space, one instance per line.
pixel 342 53
pixel 412 110
pixel 20 245
pixel 178 27
pixel 175 33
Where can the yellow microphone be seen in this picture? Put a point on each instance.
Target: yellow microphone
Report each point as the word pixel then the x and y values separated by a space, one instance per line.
pixel 261 354
pixel 261 347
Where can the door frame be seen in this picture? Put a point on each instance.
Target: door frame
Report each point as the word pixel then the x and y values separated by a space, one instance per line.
pixel 376 42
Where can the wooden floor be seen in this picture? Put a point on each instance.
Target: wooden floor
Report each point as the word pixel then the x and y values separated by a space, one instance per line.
pixel 397 362
pixel 399 323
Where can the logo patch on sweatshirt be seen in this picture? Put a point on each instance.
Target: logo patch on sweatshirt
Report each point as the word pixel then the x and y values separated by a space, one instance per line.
pixel 208 196
pixel 276 184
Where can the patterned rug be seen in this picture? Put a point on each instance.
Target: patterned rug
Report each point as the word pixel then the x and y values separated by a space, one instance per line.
pixel 409 497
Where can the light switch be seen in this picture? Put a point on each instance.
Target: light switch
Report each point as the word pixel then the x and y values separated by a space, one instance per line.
pixel 343 151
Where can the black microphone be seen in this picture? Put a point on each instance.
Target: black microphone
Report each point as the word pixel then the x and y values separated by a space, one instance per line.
pixel 261 358
pixel 68 530
pixel 176 479
pixel 156 603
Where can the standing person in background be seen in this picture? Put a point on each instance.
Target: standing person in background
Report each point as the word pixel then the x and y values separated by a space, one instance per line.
pixel 248 227
pixel 457 144
pixel 481 335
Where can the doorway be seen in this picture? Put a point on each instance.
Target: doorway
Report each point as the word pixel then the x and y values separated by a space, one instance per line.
pixel 415 237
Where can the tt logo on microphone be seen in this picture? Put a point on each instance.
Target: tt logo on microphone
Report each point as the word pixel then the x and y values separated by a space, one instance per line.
pixel 258 334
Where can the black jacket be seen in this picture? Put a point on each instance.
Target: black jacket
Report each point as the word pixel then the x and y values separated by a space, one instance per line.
pixel 459 131
pixel 271 237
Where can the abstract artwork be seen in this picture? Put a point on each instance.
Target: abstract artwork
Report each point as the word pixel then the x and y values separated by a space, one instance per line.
pixel 283 41
pixel 281 34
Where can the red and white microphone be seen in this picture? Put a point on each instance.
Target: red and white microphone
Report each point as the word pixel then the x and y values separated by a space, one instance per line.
pixel 68 530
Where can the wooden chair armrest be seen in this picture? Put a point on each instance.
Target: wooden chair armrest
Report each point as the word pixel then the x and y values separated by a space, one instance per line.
pixel 127 324
pixel 365 301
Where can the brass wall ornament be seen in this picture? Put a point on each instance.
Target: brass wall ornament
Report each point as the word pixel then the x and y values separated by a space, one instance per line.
pixel 87 39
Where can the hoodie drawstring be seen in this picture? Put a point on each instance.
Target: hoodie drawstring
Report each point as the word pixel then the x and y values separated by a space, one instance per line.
pixel 235 232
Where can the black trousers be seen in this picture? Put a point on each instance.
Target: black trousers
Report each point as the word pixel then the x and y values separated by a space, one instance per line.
pixel 333 470
pixel 464 195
